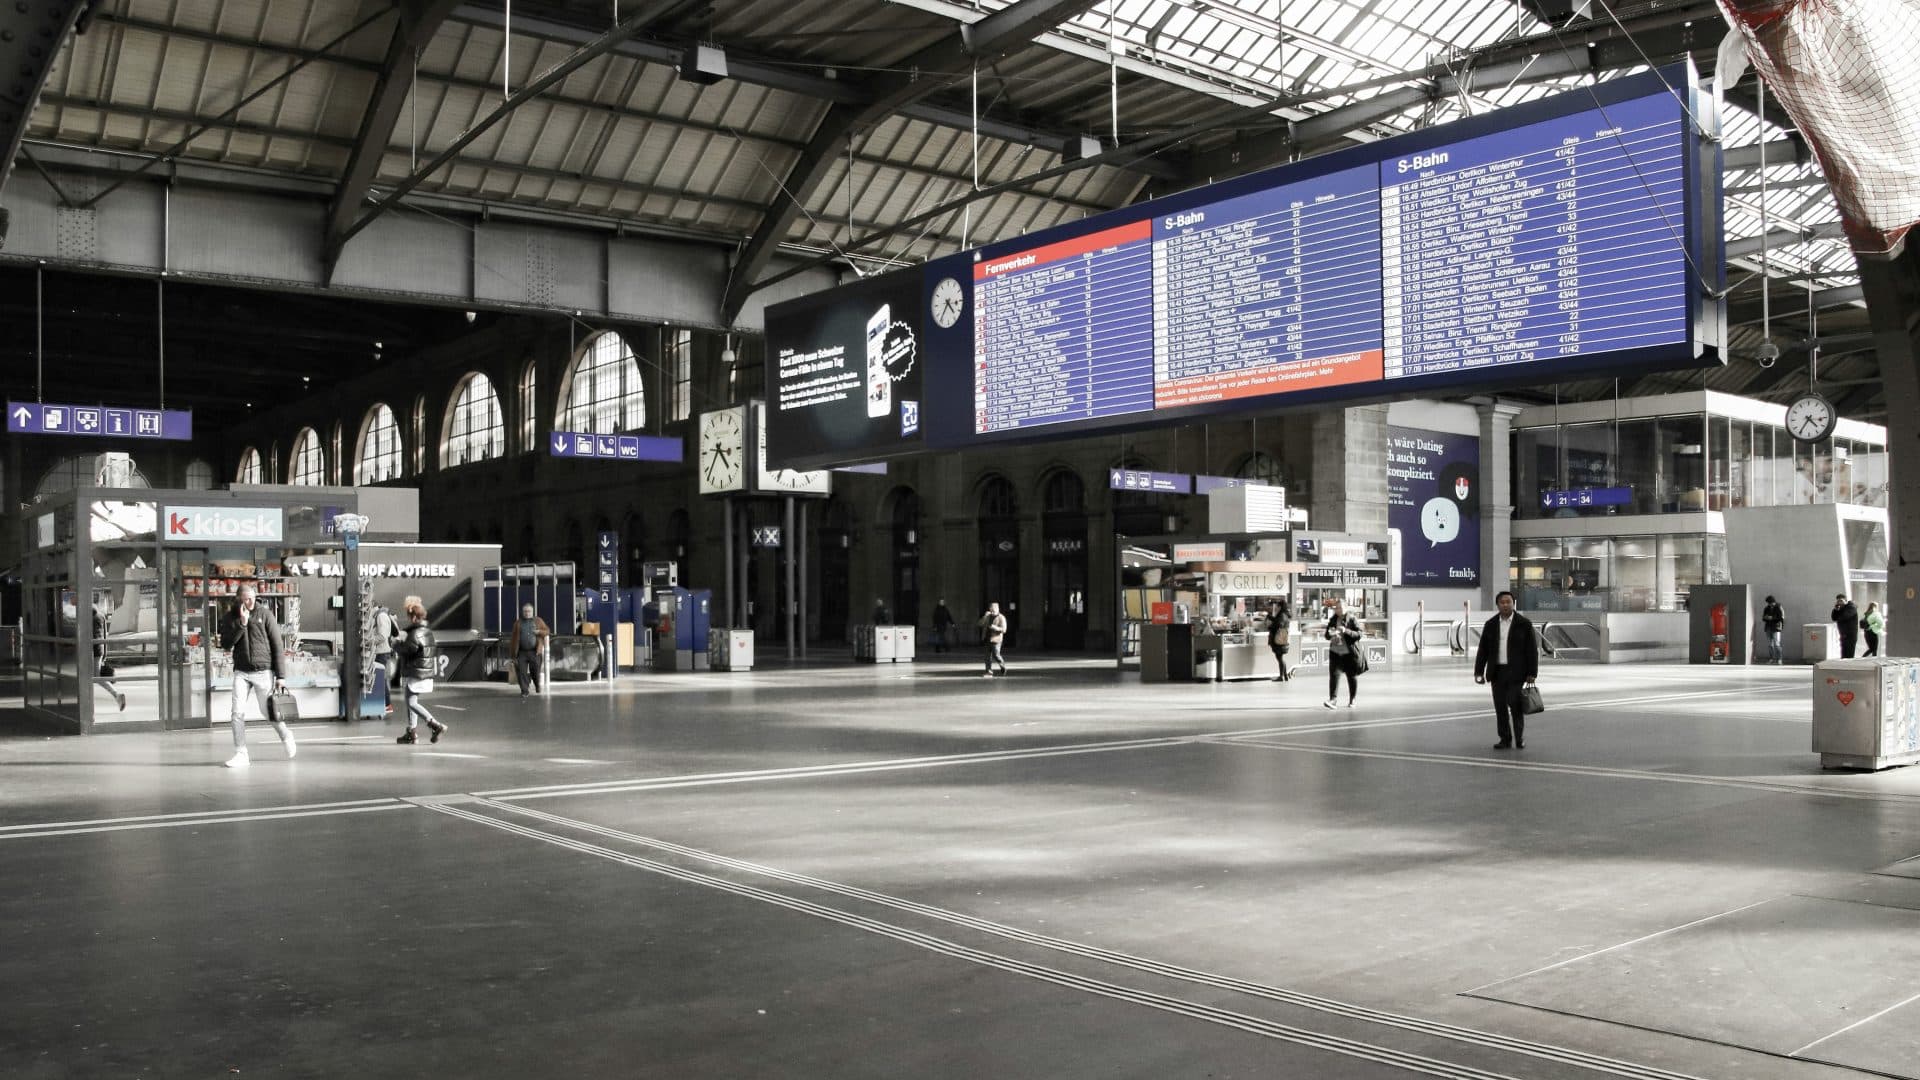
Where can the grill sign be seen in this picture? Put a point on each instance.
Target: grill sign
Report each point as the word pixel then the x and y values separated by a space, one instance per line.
pixel 230 524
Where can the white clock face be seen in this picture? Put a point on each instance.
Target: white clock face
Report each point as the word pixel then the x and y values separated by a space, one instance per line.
pixel 723 451
pixel 948 301
pixel 1810 418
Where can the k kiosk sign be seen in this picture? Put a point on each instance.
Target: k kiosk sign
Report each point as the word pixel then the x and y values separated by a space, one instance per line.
pixel 222 525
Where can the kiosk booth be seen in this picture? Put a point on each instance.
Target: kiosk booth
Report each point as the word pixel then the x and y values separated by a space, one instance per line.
pixel 1196 607
pixel 123 590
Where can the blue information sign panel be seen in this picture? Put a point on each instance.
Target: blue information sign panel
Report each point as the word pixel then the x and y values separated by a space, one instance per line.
pixel 582 444
pixel 607 559
pixel 1157 482
pixel 39 418
pixel 1582 497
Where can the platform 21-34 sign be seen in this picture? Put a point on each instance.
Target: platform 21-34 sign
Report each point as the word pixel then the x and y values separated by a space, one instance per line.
pixel 40 418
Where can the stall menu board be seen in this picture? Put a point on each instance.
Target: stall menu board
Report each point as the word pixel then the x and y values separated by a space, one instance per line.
pixel 1558 239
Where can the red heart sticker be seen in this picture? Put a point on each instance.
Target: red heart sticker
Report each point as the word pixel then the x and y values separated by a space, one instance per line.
pixel 1845 696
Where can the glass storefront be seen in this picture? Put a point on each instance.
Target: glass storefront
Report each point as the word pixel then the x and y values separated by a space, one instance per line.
pixel 1622 573
pixel 1690 463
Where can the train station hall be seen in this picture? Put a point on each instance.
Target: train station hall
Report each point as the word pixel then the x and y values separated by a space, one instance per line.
pixel 700 539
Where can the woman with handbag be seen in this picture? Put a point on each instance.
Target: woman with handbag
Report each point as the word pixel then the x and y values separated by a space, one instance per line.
pixel 1279 635
pixel 414 646
pixel 1343 635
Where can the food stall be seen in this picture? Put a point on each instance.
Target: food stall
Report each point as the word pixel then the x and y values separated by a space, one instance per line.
pixel 1352 567
pixel 1196 607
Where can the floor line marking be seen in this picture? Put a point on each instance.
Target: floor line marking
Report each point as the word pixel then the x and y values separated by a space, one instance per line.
pixel 448 753
pixel 578 761
pixel 988 756
pixel 1619 945
pixel 343 738
pixel 1094 952
pixel 190 814
pixel 1177 1006
pixel 231 819
pixel 1602 771
pixel 1850 1027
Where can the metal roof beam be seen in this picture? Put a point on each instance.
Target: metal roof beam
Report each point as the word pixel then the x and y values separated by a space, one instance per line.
pixel 419 21
pixel 579 58
pixel 908 80
pixel 775 75
pixel 1782 238
pixel 28 49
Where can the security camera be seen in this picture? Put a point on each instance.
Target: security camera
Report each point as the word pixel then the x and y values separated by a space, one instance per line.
pixel 1767 354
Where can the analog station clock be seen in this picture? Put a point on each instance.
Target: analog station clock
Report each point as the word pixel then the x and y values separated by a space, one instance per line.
pixel 948 301
pixel 723 450
pixel 1811 418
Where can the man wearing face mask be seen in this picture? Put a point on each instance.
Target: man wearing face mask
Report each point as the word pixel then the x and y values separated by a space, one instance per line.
pixel 259 669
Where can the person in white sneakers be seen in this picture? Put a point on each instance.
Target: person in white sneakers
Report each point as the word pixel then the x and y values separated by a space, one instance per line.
pixel 259 669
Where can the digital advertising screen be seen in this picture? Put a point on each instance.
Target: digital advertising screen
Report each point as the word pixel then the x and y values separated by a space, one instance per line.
pixel 1433 504
pixel 844 371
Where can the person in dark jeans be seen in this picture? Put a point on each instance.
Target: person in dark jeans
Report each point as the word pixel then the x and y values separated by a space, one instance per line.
pixel 1279 635
pixel 1846 618
pixel 1343 635
pixel 993 630
pixel 1872 624
pixel 943 627
pixel 1509 658
pixel 530 636
pixel 1772 618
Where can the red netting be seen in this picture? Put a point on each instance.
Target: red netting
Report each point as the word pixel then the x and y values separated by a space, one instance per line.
pixel 1846 71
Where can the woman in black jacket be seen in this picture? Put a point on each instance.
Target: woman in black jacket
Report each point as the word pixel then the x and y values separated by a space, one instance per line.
pixel 1279 635
pixel 414 647
pixel 1343 643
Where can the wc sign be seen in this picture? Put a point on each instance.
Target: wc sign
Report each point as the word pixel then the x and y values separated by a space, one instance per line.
pixel 222 524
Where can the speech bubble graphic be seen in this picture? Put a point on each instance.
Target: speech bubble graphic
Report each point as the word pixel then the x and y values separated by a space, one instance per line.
pixel 1440 520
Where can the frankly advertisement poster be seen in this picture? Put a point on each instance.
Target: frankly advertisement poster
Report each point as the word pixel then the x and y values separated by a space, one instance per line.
pixel 1433 502
pixel 843 373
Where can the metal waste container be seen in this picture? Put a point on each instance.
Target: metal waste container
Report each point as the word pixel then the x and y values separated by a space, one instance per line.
pixel 1819 641
pixel 1866 712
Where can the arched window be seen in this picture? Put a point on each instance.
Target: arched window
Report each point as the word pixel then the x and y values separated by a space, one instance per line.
pixel 308 465
pixel 529 406
pixel 1065 494
pixel 249 470
pixel 200 475
pixel 475 431
pixel 1261 468
pixel 420 440
pixel 380 456
pixel 100 470
pixel 602 391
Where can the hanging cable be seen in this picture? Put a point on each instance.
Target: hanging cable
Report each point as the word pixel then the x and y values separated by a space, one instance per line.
pixel 506 53
pixel 1768 352
pixel 39 335
pixel 160 286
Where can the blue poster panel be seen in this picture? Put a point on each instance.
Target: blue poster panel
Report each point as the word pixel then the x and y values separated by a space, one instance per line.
pixel 1433 501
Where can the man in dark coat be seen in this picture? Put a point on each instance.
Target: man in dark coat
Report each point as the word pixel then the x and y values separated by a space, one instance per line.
pixel 1847 618
pixel 1509 658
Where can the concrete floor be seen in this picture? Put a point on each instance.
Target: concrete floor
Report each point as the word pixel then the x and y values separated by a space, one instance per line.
pixel 910 871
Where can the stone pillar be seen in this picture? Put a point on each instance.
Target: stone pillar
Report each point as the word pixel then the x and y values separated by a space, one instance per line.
pixel 1892 290
pixel 1350 470
pixel 1496 495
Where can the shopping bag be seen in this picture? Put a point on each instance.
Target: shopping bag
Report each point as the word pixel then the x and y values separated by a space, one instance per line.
pixel 1530 702
pixel 417 686
pixel 281 708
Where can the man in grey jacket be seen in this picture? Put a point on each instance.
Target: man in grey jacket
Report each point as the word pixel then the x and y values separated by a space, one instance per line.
pixel 259 669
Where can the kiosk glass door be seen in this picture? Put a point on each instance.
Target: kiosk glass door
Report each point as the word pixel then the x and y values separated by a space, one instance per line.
pixel 191 627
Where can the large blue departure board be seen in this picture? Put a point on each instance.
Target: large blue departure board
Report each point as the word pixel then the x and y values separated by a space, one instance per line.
pixel 1571 236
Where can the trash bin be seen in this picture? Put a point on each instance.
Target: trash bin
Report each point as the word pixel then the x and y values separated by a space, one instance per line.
pixel 1819 641
pixel 1866 712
